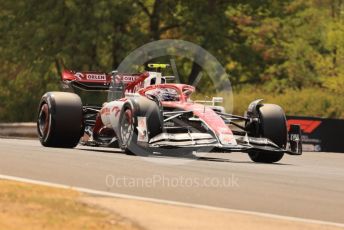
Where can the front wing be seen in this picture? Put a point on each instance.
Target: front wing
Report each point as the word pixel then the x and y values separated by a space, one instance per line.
pixel 244 143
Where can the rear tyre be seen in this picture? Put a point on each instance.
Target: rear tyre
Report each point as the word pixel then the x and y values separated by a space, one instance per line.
pixel 128 123
pixel 272 125
pixel 60 120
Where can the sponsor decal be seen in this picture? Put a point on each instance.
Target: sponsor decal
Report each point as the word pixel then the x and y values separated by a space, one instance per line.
pixel 226 138
pixel 79 75
pixel 142 128
pixel 118 79
pixel 105 111
pixel 116 110
pixel 169 124
pixel 96 77
pixel 261 140
pixel 307 126
pixel 127 79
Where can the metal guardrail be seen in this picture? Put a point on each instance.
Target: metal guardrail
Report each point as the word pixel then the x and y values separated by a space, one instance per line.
pixel 22 129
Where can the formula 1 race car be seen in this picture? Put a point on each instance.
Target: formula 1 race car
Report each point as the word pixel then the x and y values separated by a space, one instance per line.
pixel 148 115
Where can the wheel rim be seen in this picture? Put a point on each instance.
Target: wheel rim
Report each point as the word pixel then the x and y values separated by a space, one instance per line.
pixel 127 127
pixel 43 120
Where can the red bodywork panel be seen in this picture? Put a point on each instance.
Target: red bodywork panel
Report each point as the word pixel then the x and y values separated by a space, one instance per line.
pixel 90 76
pixel 213 120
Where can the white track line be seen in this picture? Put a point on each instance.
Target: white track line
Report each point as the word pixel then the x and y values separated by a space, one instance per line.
pixel 169 202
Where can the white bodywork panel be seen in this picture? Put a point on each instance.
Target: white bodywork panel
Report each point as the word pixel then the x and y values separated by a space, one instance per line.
pixel 110 113
pixel 158 79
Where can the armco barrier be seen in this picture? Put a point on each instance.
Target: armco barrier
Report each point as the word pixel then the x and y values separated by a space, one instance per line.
pixel 23 129
pixel 320 134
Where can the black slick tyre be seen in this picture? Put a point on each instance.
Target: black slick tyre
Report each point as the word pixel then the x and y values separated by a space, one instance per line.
pixel 60 120
pixel 272 125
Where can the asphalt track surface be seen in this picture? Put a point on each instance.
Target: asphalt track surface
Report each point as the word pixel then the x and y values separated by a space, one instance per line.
pixel 310 186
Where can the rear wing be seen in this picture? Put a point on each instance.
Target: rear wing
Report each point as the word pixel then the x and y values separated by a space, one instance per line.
pixel 101 81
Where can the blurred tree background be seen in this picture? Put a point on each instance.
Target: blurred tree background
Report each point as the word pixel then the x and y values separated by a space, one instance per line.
pixel 290 52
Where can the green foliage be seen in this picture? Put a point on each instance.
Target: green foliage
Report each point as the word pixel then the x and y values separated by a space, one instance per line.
pixel 304 102
pixel 281 47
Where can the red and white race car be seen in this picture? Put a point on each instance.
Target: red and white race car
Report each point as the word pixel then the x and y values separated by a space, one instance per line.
pixel 147 115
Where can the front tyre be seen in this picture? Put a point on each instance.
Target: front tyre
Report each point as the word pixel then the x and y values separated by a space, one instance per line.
pixel 60 120
pixel 272 125
pixel 126 136
pixel 128 123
